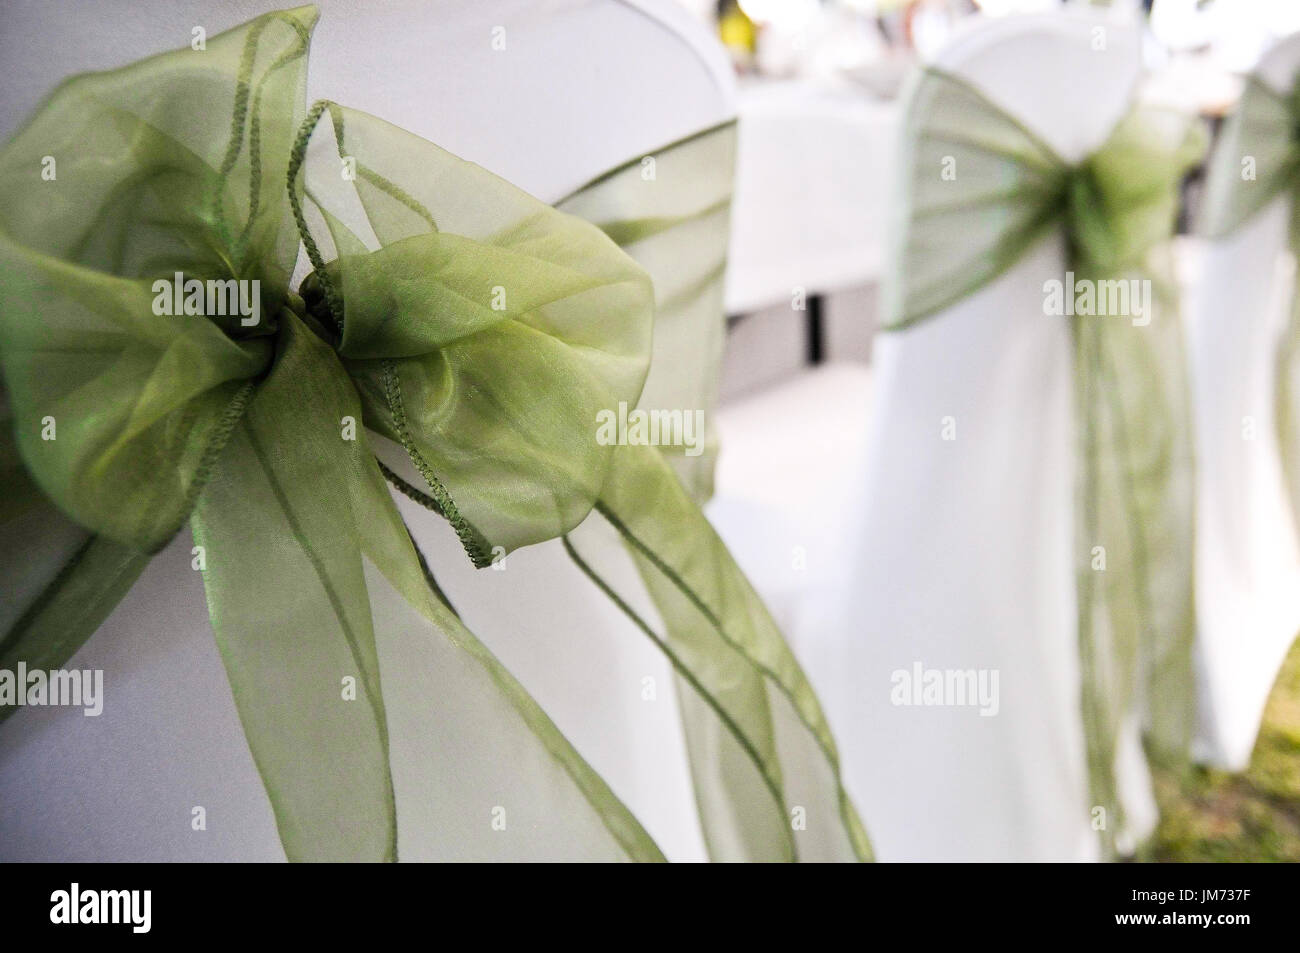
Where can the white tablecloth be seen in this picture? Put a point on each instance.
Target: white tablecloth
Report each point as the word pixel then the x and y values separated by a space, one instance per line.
pixel 812 185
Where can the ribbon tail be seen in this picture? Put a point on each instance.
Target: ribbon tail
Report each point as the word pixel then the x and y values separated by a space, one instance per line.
pixel 540 775
pixel 1106 658
pixel 766 768
pixel 520 790
pixel 60 582
pixel 1135 536
pixel 291 611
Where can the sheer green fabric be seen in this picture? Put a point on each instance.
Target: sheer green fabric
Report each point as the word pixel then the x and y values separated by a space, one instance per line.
pixel 38 544
pixel 765 767
pixel 673 218
pixel 1264 133
pixel 477 328
pixel 983 190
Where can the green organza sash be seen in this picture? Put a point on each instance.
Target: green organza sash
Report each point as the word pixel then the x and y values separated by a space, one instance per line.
pixel 1257 160
pixel 670 211
pixel 748 713
pixel 982 190
pixel 446 312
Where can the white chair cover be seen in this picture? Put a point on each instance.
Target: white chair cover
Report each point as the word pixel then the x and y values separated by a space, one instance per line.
pixel 1247 554
pixel 965 545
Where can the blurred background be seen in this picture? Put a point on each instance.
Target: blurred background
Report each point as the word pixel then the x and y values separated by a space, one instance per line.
pixel 819 81
pixel 818 88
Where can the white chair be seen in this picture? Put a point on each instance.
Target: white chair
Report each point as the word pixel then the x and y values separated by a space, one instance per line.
pixel 965 547
pixel 1247 553
pixel 581 86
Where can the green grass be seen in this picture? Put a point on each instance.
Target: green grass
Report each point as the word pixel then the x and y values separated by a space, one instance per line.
pixel 1253 816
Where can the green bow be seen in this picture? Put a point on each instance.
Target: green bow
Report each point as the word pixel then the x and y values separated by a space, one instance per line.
pixel 982 191
pixel 1257 160
pixel 467 327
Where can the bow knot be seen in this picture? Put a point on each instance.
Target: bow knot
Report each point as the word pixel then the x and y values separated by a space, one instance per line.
pixel 1090 234
pixel 477 327
pixel 1123 199
pixel 976 170
pixel 311 306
